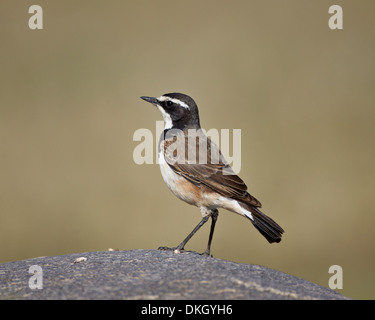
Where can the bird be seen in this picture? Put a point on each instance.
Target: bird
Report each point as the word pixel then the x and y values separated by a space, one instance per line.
pixel 194 169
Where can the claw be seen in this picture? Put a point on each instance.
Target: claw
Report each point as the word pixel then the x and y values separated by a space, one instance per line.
pixel 206 254
pixel 175 249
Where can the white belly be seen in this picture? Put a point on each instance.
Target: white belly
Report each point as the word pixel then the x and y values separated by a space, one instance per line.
pixel 209 200
pixel 175 181
pixel 169 176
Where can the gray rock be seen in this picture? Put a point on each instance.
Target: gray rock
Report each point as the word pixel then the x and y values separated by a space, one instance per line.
pixel 151 274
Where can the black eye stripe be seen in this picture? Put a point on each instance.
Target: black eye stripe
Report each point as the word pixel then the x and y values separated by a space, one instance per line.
pixel 168 103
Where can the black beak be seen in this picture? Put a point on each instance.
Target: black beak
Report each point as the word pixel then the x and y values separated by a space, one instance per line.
pixel 150 99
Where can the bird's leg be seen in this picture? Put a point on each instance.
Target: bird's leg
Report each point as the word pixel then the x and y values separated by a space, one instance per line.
pixel 214 215
pixel 181 246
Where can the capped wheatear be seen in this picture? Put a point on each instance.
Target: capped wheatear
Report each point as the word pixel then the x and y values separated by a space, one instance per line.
pixel 194 169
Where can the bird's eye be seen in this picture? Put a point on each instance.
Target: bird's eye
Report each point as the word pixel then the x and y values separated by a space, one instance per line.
pixel 168 103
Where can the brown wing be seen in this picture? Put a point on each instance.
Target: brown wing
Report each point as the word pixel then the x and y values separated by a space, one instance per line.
pixel 203 163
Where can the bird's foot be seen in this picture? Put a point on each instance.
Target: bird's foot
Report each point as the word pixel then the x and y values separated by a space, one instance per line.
pixel 174 249
pixel 206 254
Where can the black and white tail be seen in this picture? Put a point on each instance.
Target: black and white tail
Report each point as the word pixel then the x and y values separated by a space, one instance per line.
pixel 265 225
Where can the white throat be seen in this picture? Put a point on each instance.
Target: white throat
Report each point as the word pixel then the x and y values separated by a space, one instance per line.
pixel 166 117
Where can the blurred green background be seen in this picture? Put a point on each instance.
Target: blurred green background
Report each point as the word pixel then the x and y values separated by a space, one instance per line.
pixel 302 94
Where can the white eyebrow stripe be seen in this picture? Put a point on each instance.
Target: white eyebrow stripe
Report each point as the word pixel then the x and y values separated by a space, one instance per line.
pixel 176 101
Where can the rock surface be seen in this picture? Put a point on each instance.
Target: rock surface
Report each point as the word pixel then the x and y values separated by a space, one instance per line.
pixel 151 274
